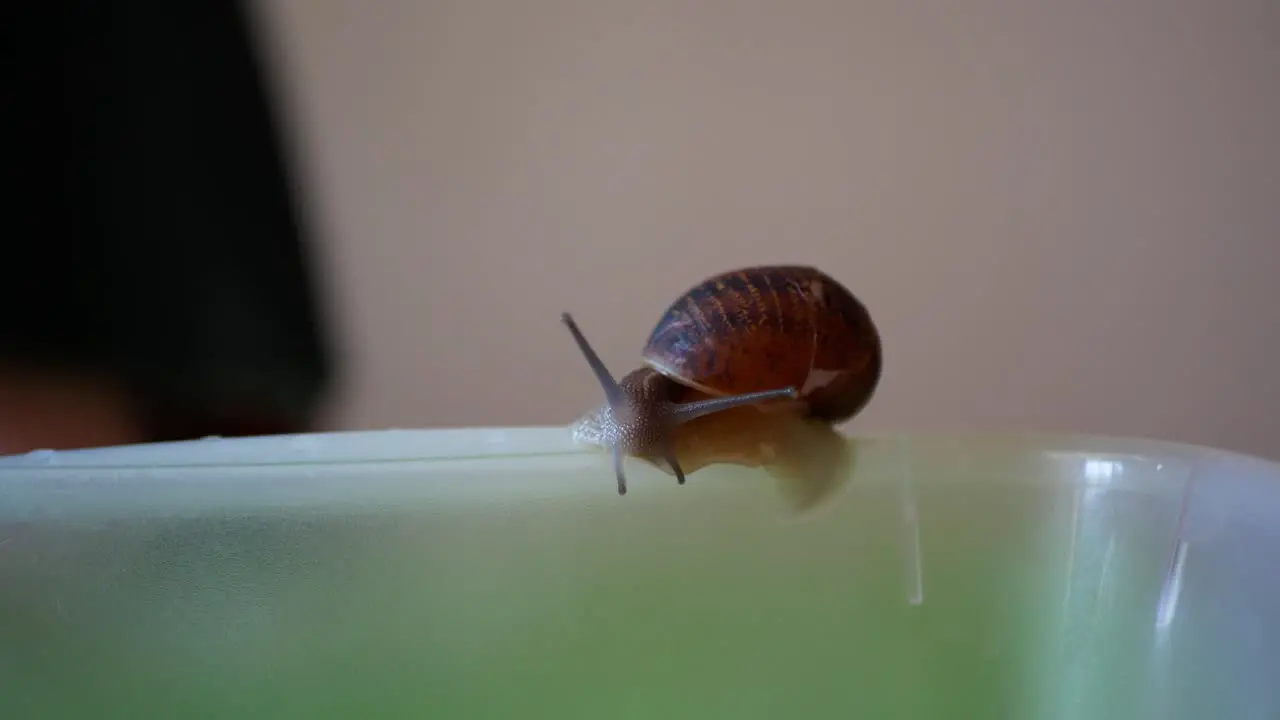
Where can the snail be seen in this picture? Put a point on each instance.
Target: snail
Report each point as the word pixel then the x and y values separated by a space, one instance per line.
pixel 727 357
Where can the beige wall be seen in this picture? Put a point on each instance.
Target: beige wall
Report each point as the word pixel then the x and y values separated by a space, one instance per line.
pixel 1062 215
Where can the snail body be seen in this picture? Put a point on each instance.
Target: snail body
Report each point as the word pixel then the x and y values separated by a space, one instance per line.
pixel 779 339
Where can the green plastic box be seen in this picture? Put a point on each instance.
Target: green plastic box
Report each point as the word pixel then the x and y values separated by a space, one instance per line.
pixel 495 573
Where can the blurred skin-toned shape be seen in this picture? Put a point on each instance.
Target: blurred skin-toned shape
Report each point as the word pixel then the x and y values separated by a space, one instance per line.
pixel 49 409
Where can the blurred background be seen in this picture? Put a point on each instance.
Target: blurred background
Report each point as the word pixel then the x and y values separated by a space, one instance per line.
pixel 1063 216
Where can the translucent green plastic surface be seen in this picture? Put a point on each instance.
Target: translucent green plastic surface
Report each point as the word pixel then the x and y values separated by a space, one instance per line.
pixel 496 574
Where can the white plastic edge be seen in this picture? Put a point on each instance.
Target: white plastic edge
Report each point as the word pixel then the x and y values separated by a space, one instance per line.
pixel 407 445
pixel 312 448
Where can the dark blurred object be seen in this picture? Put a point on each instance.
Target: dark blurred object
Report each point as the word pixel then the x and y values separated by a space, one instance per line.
pixel 163 279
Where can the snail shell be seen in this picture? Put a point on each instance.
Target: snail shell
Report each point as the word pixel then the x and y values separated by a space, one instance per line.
pixel 752 336
pixel 771 327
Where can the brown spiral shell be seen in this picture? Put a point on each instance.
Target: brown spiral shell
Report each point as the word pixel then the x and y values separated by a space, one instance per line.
pixel 768 327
